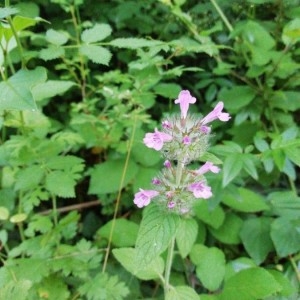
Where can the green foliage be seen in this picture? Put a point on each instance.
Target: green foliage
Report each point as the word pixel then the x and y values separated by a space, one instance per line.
pixel 81 83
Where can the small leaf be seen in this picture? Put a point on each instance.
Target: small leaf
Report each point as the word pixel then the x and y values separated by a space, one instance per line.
pixel 249 166
pixel 156 232
pixel 97 33
pixel 51 52
pixel 56 37
pixel 291 32
pixel 134 43
pixel 182 293
pixel 18 218
pixel 186 236
pixel 7 11
pixel 255 235
pixel 232 167
pixel 29 178
pixel 96 54
pixel 4 213
pixel 250 284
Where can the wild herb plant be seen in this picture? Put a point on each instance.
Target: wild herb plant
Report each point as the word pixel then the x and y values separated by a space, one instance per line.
pixel 83 83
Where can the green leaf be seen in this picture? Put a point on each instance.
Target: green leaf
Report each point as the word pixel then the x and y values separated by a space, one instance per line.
pixel 18 218
pixel 232 167
pixel 29 178
pixel 186 236
pixel 228 232
pixel 156 232
pixel 54 287
pixel 255 235
pixel 237 97
pixel 61 184
pixel 250 284
pixel 21 22
pixel 96 54
pixel 134 43
pixel 144 177
pixel 245 200
pixel 291 32
pixel 7 11
pixel 126 256
pixel 237 265
pixel 124 234
pixel 16 91
pixel 293 154
pixel 182 293
pixel 210 266
pixel 211 157
pixel 51 52
pixel 249 166
pixel 213 217
pixel 55 37
pixel 287 287
pixel 16 289
pixel 97 33
pixel 104 287
pixel 51 88
pixel 285 235
pixel 167 90
pixel 4 213
pixel 106 177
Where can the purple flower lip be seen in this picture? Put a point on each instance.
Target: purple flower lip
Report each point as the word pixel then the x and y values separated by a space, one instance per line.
pixel 216 114
pixel 143 197
pixel 156 140
pixel 184 100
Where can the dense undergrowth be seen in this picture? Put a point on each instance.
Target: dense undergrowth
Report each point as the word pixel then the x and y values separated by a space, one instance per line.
pixel 82 82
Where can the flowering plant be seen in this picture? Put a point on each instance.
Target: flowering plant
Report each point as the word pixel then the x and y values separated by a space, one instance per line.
pixel 182 140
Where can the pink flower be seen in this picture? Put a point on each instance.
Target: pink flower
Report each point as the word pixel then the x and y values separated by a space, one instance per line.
pixel 167 164
pixel 156 181
pixel 166 124
pixel 205 129
pixel 156 140
pixel 185 99
pixel 208 166
pixel 216 114
pixel 186 140
pixel 171 204
pixel 143 197
pixel 200 190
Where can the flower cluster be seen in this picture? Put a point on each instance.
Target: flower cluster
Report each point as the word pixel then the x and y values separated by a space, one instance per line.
pixel 183 139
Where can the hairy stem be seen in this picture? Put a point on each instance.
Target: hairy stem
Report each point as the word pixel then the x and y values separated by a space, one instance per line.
pixel 223 17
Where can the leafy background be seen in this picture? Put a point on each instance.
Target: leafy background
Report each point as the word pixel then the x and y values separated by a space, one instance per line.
pixel 81 83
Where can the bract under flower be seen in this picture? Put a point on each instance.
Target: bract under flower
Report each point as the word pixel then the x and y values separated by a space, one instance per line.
pixel 143 197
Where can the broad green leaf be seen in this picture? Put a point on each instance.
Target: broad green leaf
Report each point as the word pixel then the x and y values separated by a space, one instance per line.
pixel 16 91
pixel 134 43
pixel 16 289
pixel 97 33
pixel 21 22
pixel 232 167
pixel 156 232
pixel 144 177
pixel 182 293
pixel 238 265
pixel 124 232
pixel 291 32
pixel 237 97
pixel 249 166
pixel 286 284
pixel 106 178
pixel 210 266
pixel 228 232
pixel 7 11
pixel 52 52
pixel 167 90
pixel 29 177
pixel 96 54
pixel 293 154
pixel 250 284
pixel 255 235
pixel 4 213
pixel 126 256
pixel 186 236
pixel 68 163
pixel 57 38
pixel 213 217
pixel 61 184
pixel 245 200
pixel 285 235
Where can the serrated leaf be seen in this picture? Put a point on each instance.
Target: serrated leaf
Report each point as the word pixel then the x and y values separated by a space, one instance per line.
pixel 182 293
pixel 29 178
pixel 51 52
pixel 51 88
pixel 186 236
pixel 106 177
pixel 60 184
pixel 96 54
pixel 126 256
pixel 16 91
pixel 245 200
pixel 56 37
pixel 210 266
pixel 231 168
pixel 250 284
pixel 16 289
pixel 124 234
pixel 255 235
pixel 97 33
pixel 67 163
pixel 156 232
pixel 134 43
pixel 285 235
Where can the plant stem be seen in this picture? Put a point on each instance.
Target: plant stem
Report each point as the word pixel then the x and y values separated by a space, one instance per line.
pixel 223 17
pixel 169 266
pixel 54 208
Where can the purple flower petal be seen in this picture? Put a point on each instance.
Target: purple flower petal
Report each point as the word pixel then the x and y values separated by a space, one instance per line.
pixel 143 197
pixel 184 100
pixel 216 114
